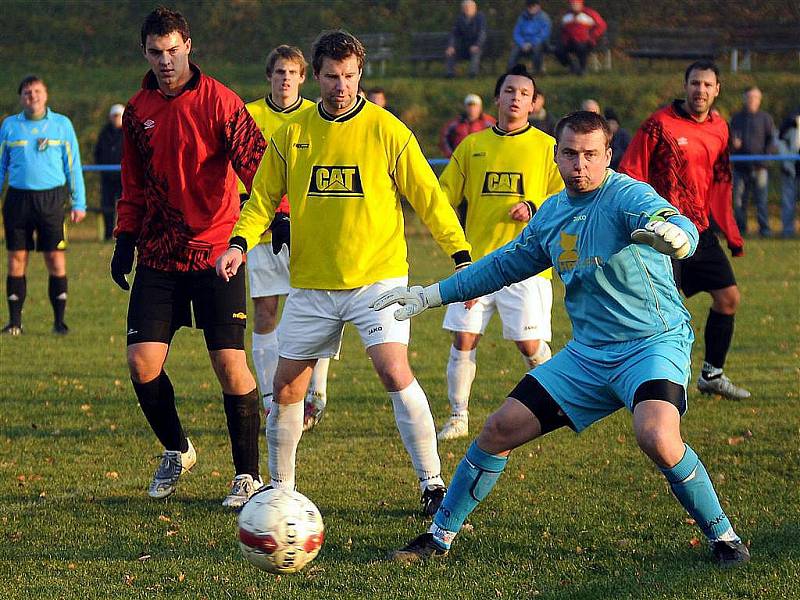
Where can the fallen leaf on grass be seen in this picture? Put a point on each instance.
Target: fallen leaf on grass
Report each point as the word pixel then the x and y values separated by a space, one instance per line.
pixel 143 557
pixel 85 407
pixel 215 473
pixel 112 475
pixel 164 518
pixel 694 542
pixel 181 577
pixel 735 441
pixel 689 521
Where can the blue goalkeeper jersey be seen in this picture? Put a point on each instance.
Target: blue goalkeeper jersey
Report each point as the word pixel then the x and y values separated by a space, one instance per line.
pixel 616 290
pixel 41 155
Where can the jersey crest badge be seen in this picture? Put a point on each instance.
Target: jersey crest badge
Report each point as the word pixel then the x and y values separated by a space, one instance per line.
pixel 503 183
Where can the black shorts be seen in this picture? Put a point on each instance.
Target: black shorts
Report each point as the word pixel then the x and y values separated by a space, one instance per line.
pixel 163 301
pixel 29 211
pixel 706 270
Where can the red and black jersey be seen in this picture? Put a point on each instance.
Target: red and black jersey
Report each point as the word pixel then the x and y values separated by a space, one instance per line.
pixel 687 162
pixel 181 155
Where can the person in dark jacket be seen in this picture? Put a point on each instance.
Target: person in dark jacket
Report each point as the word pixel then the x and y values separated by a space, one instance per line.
pixel 789 143
pixel 467 39
pixel 620 139
pixel 531 34
pixel 539 117
pixel 108 151
pixel 752 132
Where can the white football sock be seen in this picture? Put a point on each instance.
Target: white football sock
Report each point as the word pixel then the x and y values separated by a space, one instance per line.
pixel 284 428
pixel 319 380
pixel 541 356
pixel 265 360
pixel 461 369
pixel 415 423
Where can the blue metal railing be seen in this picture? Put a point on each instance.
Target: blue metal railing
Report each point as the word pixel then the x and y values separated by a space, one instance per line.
pixel 435 162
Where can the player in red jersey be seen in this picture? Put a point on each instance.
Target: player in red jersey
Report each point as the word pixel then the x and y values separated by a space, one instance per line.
pixel 186 138
pixel 682 151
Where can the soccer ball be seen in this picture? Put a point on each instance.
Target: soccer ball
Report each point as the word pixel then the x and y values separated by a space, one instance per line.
pixel 280 531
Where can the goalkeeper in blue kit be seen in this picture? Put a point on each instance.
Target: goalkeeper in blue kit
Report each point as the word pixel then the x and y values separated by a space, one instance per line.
pixel 611 239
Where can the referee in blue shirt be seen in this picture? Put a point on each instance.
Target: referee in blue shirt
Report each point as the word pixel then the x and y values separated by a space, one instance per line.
pixel 39 153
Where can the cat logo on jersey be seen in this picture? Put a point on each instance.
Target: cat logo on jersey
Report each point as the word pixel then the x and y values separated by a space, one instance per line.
pixel 336 181
pixel 569 257
pixel 502 183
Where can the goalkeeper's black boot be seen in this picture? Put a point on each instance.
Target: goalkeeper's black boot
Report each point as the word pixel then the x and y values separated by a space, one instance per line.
pixel 432 499
pixel 730 554
pixel 419 549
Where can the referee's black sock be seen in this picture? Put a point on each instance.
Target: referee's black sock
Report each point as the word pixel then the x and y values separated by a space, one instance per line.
pixel 57 290
pixel 16 289
pixel 157 399
pixel 243 414
pixel 718 336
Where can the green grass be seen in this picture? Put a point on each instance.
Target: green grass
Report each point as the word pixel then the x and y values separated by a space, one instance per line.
pixel 573 516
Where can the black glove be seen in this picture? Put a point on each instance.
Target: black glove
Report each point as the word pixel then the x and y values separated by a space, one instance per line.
pixel 122 261
pixel 280 232
pixel 242 199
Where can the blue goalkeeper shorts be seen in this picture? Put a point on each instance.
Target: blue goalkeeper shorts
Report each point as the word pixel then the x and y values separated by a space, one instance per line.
pixel 590 383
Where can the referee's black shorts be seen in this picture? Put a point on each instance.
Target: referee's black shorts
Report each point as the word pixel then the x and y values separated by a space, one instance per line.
pixel 163 301
pixel 706 270
pixel 39 211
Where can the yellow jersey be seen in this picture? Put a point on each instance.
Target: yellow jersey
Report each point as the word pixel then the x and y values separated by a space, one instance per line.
pixel 268 117
pixel 344 176
pixel 494 170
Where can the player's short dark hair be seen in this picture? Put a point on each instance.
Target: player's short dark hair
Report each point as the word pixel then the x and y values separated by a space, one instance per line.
pixel 701 65
pixel 520 70
pixel 29 80
pixel 286 52
pixel 336 44
pixel 583 121
pixel 163 21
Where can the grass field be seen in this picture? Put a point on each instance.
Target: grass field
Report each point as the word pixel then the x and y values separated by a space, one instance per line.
pixel 573 516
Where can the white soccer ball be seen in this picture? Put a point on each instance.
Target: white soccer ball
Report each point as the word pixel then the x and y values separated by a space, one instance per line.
pixel 280 531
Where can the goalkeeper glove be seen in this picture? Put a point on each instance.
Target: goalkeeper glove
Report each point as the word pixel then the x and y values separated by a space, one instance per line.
pixel 413 300
pixel 664 237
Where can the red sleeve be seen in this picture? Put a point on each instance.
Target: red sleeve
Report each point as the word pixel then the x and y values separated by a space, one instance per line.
pixel 600 25
pixel 131 206
pixel 245 144
pixel 444 139
pixel 720 199
pixel 636 160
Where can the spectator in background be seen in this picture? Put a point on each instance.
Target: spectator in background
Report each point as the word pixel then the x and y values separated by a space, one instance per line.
pixel 471 120
pixel 531 34
pixel 591 105
pixel 377 95
pixel 752 132
pixel 581 30
pixel 467 39
pixel 108 151
pixel 789 143
pixel 39 152
pixel 620 139
pixel 539 117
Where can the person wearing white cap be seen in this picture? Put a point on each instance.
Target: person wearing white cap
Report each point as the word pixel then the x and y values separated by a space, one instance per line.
pixel 471 120
pixel 108 151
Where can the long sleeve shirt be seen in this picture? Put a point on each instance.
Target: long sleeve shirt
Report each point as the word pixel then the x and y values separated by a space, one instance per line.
pixel 344 176
pixel 42 154
pixel 582 27
pixel 468 32
pixel 687 162
pixel 181 157
pixel 616 290
pixel 532 29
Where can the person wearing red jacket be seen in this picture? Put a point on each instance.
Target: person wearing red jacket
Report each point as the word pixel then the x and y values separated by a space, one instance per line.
pixel 186 137
pixel 682 151
pixel 581 30
pixel 471 120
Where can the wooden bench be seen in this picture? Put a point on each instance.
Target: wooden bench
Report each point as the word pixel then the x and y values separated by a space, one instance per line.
pixel 380 50
pixel 777 39
pixel 428 47
pixel 676 44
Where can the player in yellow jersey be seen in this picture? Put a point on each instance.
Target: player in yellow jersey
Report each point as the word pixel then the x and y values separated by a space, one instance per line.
pixel 345 166
pixel 268 262
pixel 504 173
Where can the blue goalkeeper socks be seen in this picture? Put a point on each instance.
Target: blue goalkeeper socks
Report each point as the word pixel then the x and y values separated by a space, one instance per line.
pixel 692 487
pixel 474 478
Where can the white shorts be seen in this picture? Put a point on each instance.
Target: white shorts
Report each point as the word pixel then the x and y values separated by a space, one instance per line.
pixel 268 273
pixel 524 308
pixel 313 320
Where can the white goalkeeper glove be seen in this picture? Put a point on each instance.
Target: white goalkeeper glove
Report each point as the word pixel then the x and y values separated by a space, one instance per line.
pixel 664 237
pixel 413 300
